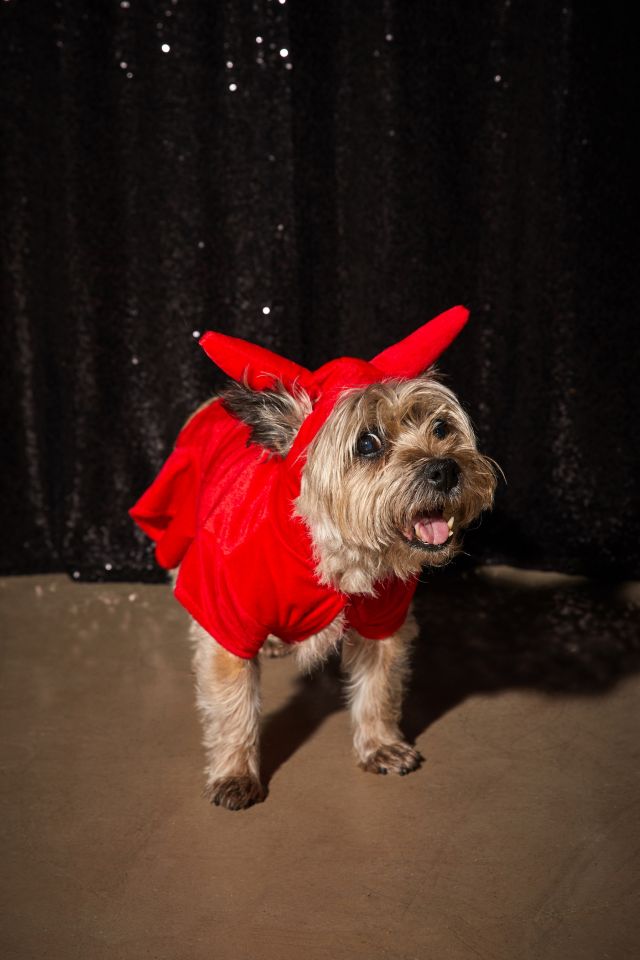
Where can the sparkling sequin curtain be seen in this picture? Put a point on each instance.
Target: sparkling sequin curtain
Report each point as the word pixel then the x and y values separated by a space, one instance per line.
pixel 321 178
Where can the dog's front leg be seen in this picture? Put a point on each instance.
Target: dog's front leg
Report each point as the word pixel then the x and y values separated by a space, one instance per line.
pixel 376 671
pixel 228 697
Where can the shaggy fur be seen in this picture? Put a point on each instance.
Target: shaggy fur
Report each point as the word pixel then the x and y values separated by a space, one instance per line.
pixel 356 508
pixel 274 416
pixel 376 673
pixel 361 511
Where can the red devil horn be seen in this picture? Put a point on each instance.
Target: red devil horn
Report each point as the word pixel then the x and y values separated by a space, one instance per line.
pixel 411 356
pixel 248 363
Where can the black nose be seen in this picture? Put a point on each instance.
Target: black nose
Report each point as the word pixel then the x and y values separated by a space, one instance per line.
pixel 442 474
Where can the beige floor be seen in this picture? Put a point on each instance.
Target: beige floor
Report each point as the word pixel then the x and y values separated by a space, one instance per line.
pixel 518 839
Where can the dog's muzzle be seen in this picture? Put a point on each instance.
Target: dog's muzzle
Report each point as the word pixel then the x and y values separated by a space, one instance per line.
pixel 442 474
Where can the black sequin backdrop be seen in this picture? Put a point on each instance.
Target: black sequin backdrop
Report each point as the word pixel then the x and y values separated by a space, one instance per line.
pixel 320 177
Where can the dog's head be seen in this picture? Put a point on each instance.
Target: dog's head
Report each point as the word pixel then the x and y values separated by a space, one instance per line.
pixel 395 473
pixel 388 473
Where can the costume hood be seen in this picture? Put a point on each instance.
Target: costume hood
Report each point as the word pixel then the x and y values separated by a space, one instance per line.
pixel 261 369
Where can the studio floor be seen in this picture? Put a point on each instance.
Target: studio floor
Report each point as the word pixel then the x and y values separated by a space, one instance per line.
pixel 518 839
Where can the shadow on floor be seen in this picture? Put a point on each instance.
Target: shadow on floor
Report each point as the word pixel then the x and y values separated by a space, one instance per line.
pixel 316 697
pixel 482 634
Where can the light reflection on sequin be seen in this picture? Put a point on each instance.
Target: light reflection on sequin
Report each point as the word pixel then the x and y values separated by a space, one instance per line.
pixel 125 4
pixel 258 39
pixel 123 65
pixel 135 361
pixel 129 76
pixel 497 78
pixel 165 48
pixel 284 52
pixel 108 566
pixel 266 310
pixel 388 37
pixel 196 334
pixel 233 87
pixel 229 64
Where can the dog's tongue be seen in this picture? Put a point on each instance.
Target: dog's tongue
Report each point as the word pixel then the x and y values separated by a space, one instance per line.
pixel 432 529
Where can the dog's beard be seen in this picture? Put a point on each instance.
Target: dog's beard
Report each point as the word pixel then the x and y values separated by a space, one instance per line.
pixel 374 516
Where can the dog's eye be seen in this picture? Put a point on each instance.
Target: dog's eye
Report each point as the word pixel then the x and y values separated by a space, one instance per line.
pixel 369 444
pixel 440 429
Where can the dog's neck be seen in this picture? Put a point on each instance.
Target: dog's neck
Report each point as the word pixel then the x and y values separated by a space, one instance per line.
pixel 351 568
pixel 339 565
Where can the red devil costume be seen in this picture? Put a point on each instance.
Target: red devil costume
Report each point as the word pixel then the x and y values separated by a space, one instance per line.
pixel 222 507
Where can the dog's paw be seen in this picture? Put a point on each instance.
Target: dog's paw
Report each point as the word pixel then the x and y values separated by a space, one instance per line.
pixel 235 793
pixel 396 757
pixel 274 648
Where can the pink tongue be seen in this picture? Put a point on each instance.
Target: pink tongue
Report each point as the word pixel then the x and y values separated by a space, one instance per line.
pixel 432 530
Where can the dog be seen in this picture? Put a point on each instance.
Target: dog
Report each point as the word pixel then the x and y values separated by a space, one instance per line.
pixel 300 508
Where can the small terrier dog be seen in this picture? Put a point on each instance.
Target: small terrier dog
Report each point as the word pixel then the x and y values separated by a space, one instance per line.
pixel 301 508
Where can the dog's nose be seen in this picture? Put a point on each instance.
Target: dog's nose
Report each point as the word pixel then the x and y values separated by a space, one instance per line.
pixel 442 474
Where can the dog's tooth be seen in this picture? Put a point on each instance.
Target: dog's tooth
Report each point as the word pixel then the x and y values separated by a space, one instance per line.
pixel 450 523
pixel 450 534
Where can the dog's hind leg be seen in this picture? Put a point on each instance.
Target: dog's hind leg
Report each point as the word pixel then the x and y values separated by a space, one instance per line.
pixel 228 698
pixel 376 671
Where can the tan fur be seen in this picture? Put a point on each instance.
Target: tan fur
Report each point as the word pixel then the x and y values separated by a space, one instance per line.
pixel 376 672
pixel 315 650
pixel 355 509
pixel 275 649
pixel 228 698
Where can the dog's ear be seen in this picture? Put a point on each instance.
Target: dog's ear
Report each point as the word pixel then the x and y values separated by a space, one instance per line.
pixel 274 416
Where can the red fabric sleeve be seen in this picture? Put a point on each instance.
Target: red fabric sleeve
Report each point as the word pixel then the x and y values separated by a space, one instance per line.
pixel 377 618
